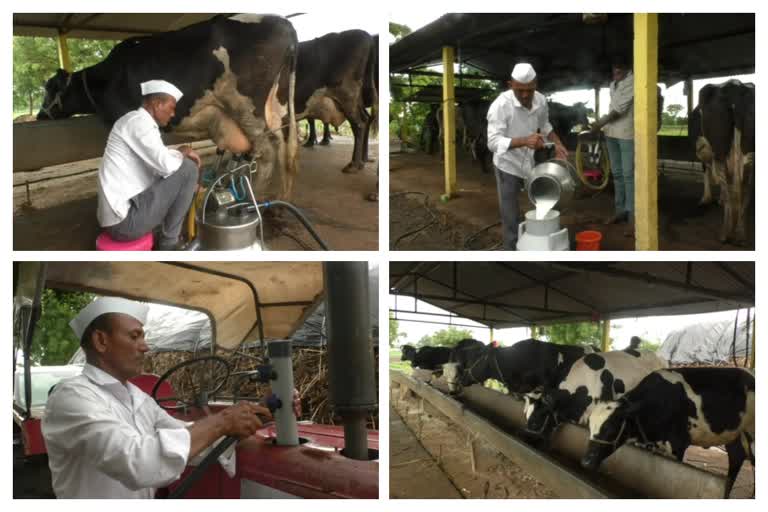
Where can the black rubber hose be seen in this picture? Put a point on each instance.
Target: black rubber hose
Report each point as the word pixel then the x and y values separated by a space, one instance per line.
pixel 297 213
pixel 199 471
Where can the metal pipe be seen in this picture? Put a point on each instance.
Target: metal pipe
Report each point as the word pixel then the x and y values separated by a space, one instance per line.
pixel 351 374
pixel 282 386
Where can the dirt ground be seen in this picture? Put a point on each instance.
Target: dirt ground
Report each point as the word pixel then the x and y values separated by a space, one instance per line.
pixel 62 214
pixel 459 224
pixel 448 447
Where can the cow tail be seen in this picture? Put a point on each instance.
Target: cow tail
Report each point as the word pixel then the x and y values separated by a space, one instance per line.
pixel 293 136
pixel 370 77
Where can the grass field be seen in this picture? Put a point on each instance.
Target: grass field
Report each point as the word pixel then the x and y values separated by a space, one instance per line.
pixel 681 131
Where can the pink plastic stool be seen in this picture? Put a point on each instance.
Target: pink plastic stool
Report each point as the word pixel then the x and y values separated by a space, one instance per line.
pixel 104 242
pixel 593 174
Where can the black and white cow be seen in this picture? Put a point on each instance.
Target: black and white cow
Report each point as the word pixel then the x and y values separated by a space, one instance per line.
pixel 237 74
pixel 725 144
pixel 336 80
pixel 523 367
pixel 591 379
pixel 670 410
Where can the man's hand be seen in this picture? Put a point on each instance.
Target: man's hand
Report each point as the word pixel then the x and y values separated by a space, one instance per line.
pixel 241 420
pixel 560 152
pixel 190 153
pixel 534 141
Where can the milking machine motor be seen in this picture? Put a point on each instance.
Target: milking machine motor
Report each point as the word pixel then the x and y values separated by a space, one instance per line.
pixel 552 182
pixel 230 217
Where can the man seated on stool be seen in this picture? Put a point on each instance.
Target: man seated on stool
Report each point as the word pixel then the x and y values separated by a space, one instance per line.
pixel 142 183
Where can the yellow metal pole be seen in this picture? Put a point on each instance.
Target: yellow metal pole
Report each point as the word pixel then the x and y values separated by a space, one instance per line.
pixel 64 62
pixel 449 124
pixel 646 179
pixel 534 331
pixel 752 352
pixel 606 336
pixel 491 341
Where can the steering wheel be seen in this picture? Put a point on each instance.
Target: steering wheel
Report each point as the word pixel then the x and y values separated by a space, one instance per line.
pixel 203 383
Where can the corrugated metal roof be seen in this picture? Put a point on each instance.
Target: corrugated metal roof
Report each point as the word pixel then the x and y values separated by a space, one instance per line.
pixel 567 52
pixel 513 294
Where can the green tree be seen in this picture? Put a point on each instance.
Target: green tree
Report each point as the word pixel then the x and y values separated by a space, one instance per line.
pixel 399 31
pixel 674 109
pixel 579 333
pixel 649 346
pixel 394 331
pixel 54 342
pixel 445 337
pixel 35 60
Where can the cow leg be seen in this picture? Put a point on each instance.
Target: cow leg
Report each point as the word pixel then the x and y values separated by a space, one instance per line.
pixel 312 137
pixel 357 163
pixel 706 198
pixel 326 135
pixel 736 457
pixel 366 136
pixel 720 174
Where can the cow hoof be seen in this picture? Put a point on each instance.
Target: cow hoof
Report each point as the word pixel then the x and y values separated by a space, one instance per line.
pixel 309 144
pixel 325 142
pixel 373 197
pixel 370 160
pixel 352 168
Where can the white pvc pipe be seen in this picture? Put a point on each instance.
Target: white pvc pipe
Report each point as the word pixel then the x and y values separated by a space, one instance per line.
pixel 285 420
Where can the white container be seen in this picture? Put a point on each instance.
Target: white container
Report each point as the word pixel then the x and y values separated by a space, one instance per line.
pixel 542 234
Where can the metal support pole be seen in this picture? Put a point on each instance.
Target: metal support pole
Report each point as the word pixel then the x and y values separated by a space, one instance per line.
pixel 449 124
pixel 606 335
pixel 646 150
pixel 64 62
pixel 689 95
pixel 534 331
pixel 491 329
pixel 597 102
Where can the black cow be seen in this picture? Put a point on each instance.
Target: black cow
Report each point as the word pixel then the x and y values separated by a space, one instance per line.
pixel 564 118
pixel 430 130
pixel 336 79
pixel 237 74
pixel 475 118
pixel 523 367
pixel 670 410
pixel 725 143
pixel 591 379
pixel 408 353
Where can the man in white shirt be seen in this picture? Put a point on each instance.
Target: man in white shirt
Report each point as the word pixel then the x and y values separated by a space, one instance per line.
pixel 108 439
pixel 142 183
pixel 620 139
pixel 518 124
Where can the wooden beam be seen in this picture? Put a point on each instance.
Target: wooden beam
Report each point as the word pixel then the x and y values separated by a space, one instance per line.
pixel 449 124
pixel 646 60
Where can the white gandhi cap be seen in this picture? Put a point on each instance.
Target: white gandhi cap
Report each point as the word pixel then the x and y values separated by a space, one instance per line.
pixel 161 86
pixel 523 73
pixel 107 305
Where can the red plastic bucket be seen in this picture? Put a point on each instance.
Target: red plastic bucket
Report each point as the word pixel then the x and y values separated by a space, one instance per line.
pixel 588 240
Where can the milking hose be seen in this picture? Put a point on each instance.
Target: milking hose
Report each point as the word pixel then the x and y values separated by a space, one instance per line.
pixel 297 213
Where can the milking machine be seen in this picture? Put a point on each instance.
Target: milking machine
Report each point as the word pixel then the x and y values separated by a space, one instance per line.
pixel 229 218
pixel 552 182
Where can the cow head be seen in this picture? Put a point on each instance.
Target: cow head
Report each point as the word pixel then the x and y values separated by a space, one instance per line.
pixel 55 94
pixel 468 365
pixel 540 413
pixel 580 116
pixel 611 424
pixel 408 353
